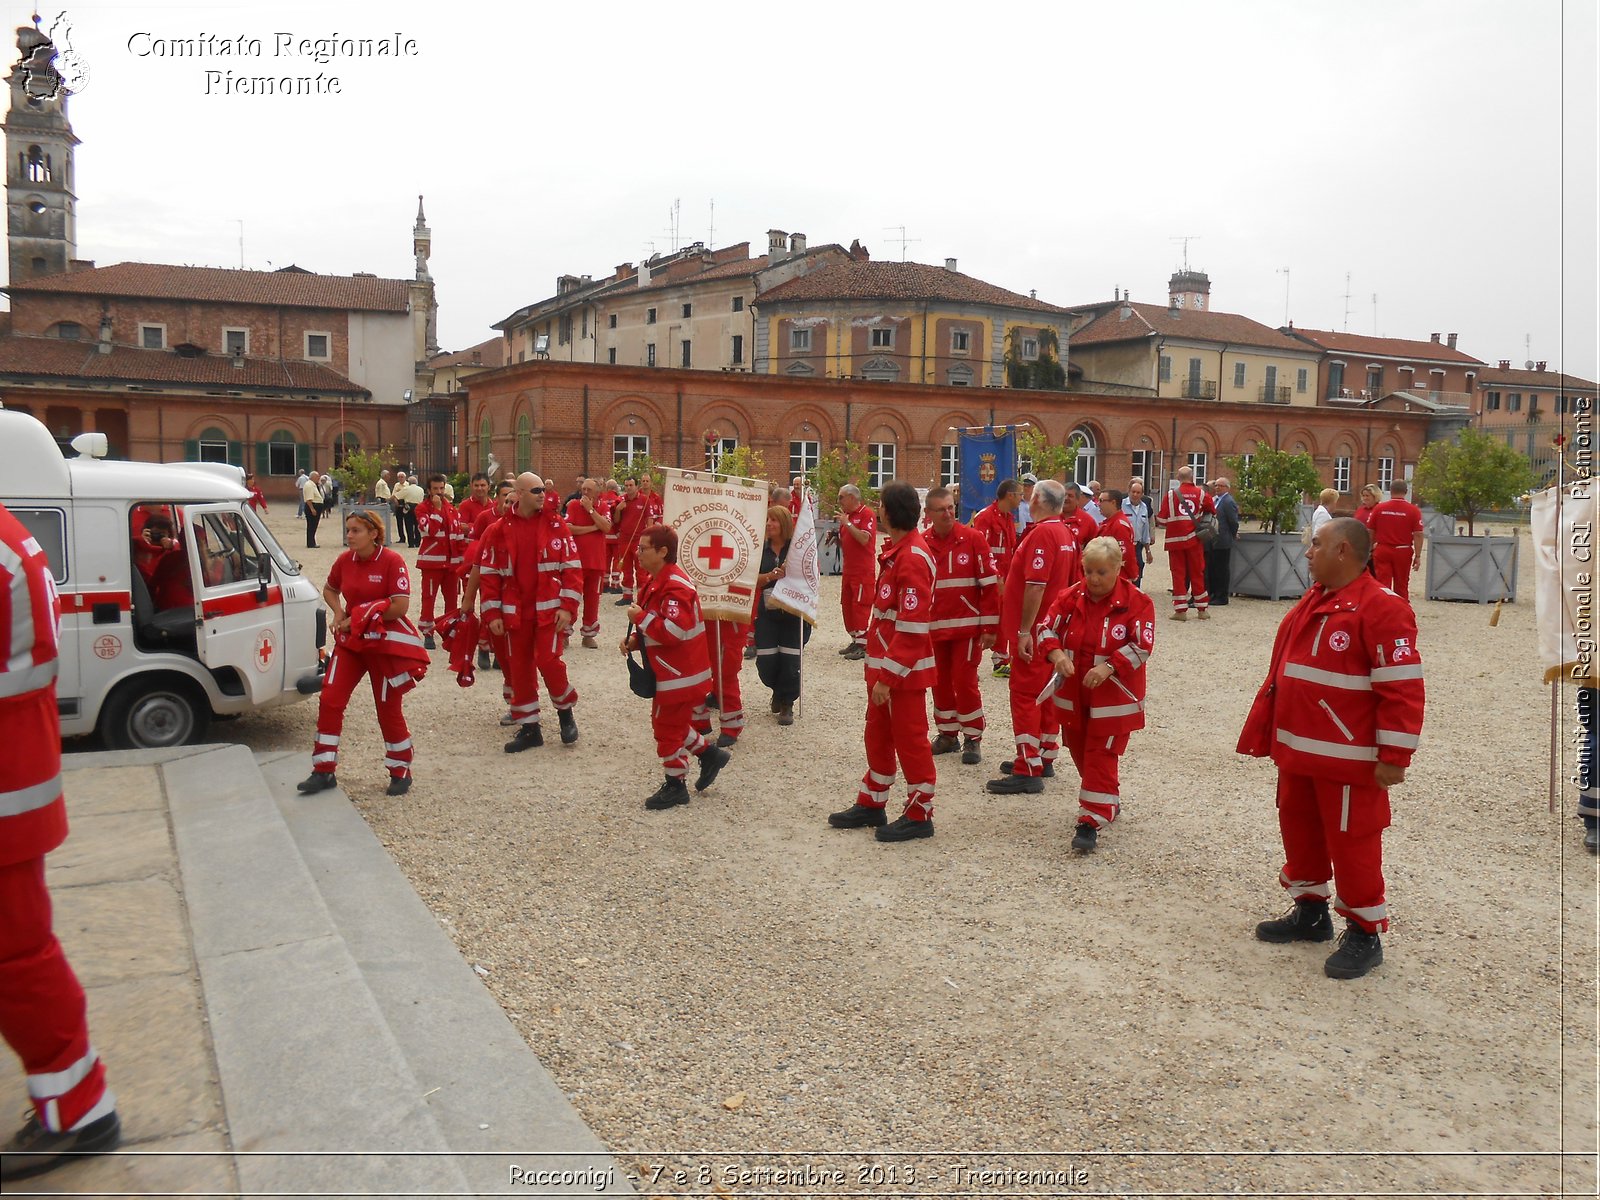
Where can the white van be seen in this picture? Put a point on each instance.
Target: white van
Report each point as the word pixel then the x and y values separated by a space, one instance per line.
pixel 176 602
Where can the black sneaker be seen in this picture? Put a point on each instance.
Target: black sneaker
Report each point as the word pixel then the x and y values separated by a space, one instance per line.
pixel 1307 921
pixel 712 760
pixel 528 736
pixel 399 785
pixel 1016 785
pixel 970 753
pixel 847 649
pixel 669 795
pixel 623 603
pixel 857 816
pixel 946 743
pixel 1049 769
pixel 317 781
pixel 749 653
pixel 1086 838
pixel 33 1149
pixel 856 653
pixel 569 726
pixel 726 741
pixel 1591 839
pixel 1358 952
pixel 483 660
pixel 904 829
pixel 428 643
pixel 786 715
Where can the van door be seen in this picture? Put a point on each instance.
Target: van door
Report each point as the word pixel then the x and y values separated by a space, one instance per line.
pixel 241 602
pixel 48 523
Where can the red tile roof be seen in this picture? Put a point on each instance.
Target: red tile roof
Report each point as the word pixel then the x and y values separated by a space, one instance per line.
pixel 866 280
pixel 1536 380
pixel 55 358
pixel 491 353
pixel 1355 343
pixel 727 270
pixel 218 285
pixel 1157 320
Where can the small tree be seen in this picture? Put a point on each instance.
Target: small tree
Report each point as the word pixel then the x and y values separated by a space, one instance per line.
pixel 1269 487
pixel 1045 459
pixel 1474 475
pixel 849 463
pixel 643 465
pixel 358 473
pixel 744 461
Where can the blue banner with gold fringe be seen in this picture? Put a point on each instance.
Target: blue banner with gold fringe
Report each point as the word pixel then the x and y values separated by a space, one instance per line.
pixel 988 456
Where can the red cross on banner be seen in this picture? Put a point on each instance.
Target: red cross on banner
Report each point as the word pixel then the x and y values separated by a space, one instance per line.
pixel 714 552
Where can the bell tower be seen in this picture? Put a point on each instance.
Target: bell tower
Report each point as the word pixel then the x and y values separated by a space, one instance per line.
pixel 41 209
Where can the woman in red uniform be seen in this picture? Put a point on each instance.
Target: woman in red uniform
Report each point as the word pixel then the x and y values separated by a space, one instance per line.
pixel 368 592
pixel 668 627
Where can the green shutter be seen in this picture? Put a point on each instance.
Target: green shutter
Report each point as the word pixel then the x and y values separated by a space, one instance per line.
pixel 236 454
pixel 191 450
pixel 302 456
pixel 263 460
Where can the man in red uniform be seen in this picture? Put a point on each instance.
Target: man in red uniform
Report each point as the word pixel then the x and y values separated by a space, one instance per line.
pixel 669 630
pixel 530 594
pixel 858 543
pixel 590 523
pixel 899 672
pixel 1185 553
pixel 797 494
pixel 1341 715
pixel 610 499
pixel 43 1015
pixel 998 526
pixel 471 588
pixel 628 520
pixel 438 555
pixel 1044 565
pixel 1076 514
pixel 1396 526
pixel 477 502
pixel 966 613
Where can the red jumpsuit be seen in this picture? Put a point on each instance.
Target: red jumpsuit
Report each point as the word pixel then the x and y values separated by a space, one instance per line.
pixel 674 639
pixel 725 643
pixel 1344 693
pixel 966 605
pixel 999 530
pixel 607 503
pixel 1119 629
pixel 470 509
pixel 860 559
pixel 900 654
pixel 1185 555
pixel 530 574
pixel 43 1015
pixel 1395 525
pixel 376 653
pixel 1119 529
pixel 591 561
pixel 1046 558
pixel 438 559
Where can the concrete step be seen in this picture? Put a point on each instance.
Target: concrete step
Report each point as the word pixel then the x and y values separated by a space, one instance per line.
pixel 491 1101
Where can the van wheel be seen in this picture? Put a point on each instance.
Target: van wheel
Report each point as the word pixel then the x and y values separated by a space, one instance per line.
pixel 154 715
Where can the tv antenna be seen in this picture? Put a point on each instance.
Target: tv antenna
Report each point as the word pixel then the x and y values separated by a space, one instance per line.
pixel 711 233
pixel 902 239
pixel 1284 271
pixel 1374 314
pixel 1527 348
pixel 240 223
pixel 674 215
pixel 1347 301
pixel 1186 239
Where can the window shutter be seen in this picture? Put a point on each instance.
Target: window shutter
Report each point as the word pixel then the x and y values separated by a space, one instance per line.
pixel 191 450
pixel 263 460
pixel 302 456
pixel 236 454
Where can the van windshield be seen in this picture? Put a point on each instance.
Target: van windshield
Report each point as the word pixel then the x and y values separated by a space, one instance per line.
pixel 264 535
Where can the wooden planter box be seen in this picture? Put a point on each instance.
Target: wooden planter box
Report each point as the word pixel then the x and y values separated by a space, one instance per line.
pixel 1479 569
pixel 1270 566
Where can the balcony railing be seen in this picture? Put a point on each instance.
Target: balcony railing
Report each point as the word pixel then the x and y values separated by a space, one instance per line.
pixel 1276 395
pixel 1199 389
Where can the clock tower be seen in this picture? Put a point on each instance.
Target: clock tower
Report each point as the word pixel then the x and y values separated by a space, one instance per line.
pixel 1189 289
pixel 41 209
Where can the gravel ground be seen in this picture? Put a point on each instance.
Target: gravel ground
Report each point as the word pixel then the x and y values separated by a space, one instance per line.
pixel 733 976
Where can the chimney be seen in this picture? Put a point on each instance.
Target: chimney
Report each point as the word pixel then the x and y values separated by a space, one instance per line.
pixel 477 358
pixel 797 243
pixel 644 272
pixel 1539 366
pixel 1033 293
pixel 238 362
pixel 949 264
pixel 624 270
pixel 1434 338
pixel 1118 296
pixel 1505 364
pixel 1452 341
pixel 104 346
pixel 777 246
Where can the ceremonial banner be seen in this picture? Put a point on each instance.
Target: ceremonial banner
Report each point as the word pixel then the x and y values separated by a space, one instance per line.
pixel 988 456
pixel 1564 581
pixel 721 523
pixel 801 586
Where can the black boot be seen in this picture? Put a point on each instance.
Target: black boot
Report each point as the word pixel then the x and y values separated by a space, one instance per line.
pixel 1358 952
pixel 1049 769
pixel 317 781
pixel 946 743
pixel 857 816
pixel 1016 785
pixel 1307 921
pixel 483 660
pixel 970 753
pixel 428 643
pixel 712 760
pixel 399 785
pixel 569 726
pixel 1591 839
pixel 904 829
pixel 669 795
pixel 527 737
pixel 1086 838
pixel 33 1149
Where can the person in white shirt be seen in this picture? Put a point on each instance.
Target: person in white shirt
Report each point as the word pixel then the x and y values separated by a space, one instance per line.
pixel 1323 513
pixel 300 490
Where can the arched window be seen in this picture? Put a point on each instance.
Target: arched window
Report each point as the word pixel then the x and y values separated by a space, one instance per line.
pixel 524 444
pixel 281 456
pixel 36 165
pixel 1084 466
pixel 211 446
pixel 485 441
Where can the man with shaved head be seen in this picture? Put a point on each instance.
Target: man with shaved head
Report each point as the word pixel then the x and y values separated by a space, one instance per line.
pixel 531 581
pixel 1341 715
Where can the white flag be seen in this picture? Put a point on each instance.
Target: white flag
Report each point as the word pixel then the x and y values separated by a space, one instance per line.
pixel 719 521
pixel 1563 594
pixel 800 589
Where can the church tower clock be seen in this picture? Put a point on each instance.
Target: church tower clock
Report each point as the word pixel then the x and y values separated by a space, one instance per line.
pixel 41 209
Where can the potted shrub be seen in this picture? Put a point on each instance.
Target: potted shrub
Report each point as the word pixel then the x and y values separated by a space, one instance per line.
pixel 1466 478
pixel 1269 485
pixel 358 475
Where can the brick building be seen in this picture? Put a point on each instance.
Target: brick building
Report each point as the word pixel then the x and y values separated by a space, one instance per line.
pixel 1355 367
pixel 560 419
pixel 1529 407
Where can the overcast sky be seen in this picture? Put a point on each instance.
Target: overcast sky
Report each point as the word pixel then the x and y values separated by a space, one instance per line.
pixel 1439 152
